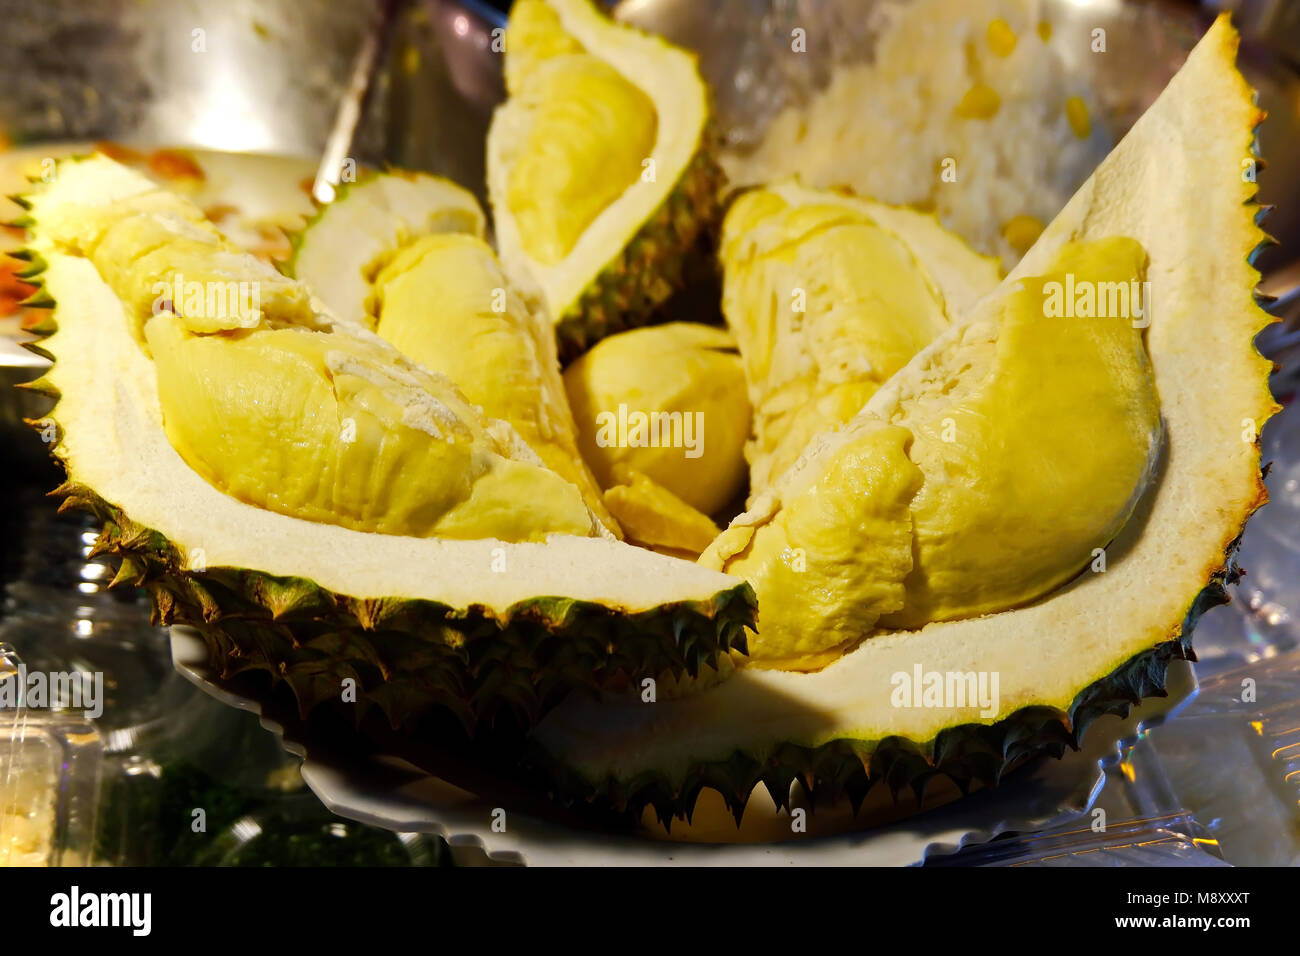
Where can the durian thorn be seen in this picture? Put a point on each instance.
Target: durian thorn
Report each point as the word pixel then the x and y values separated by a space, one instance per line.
pixel 41 386
pixel 36 266
pixel 103 545
pixel 72 504
pixel 40 299
pixel 737 808
pixel 36 349
pixel 68 488
pixel 126 575
pixel 44 327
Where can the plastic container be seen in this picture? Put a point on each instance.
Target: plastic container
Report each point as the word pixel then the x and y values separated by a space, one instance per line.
pixel 50 765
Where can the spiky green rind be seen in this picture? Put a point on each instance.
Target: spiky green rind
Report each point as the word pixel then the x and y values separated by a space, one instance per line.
pixel 37 349
pixel 847 769
pixel 35 264
pixel 41 386
pixel 406 655
pixel 651 267
pixel 43 325
pixel 40 299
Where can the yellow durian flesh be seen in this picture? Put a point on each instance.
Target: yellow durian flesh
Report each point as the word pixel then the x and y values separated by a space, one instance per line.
pixel 444 302
pixel 833 557
pixel 325 426
pixel 684 375
pixel 160 252
pixel 1045 460
pixel 987 478
pixel 590 133
pixel 533 34
pixel 276 406
pixel 653 517
pixel 826 305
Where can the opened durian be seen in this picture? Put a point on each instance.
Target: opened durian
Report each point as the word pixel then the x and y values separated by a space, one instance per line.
pixel 423 279
pixel 662 419
pixel 341 249
pixel 600 169
pixel 829 296
pixel 1036 487
pixel 315 504
pixel 903 570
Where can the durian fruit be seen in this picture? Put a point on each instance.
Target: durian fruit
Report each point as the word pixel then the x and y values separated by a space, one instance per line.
pixel 828 296
pixel 339 251
pixel 662 418
pixel 424 280
pixel 1169 203
pixel 364 520
pixel 655 518
pixel 331 426
pixel 601 169
pixel 963 487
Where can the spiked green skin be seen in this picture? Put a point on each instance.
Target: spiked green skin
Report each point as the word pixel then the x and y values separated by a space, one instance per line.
pixel 650 268
pixel 969 755
pixel 407 656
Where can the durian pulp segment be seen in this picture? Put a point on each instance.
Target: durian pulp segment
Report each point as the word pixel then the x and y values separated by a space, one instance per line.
pixel 590 132
pixel 320 426
pixel 655 518
pixel 984 478
pixel 668 402
pixel 339 251
pixel 828 561
pixel 827 301
pixel 1044 461
pixel 533 35
pixel 276 406
pixel 444 302
pixel 157 249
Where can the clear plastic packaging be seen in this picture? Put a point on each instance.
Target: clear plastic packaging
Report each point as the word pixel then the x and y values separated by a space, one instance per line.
pixel 49 778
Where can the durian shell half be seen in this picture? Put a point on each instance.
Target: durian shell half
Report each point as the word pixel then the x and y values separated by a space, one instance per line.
pixel 1095 646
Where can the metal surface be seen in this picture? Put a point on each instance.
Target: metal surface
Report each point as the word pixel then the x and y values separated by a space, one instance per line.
pixel 339 145
pixel 745 49
pixel 244 75
pixel 263 76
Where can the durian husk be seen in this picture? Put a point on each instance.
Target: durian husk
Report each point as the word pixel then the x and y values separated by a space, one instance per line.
pixel 654 264
pixel 778 729
pixel 637 252
pixel 409 656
